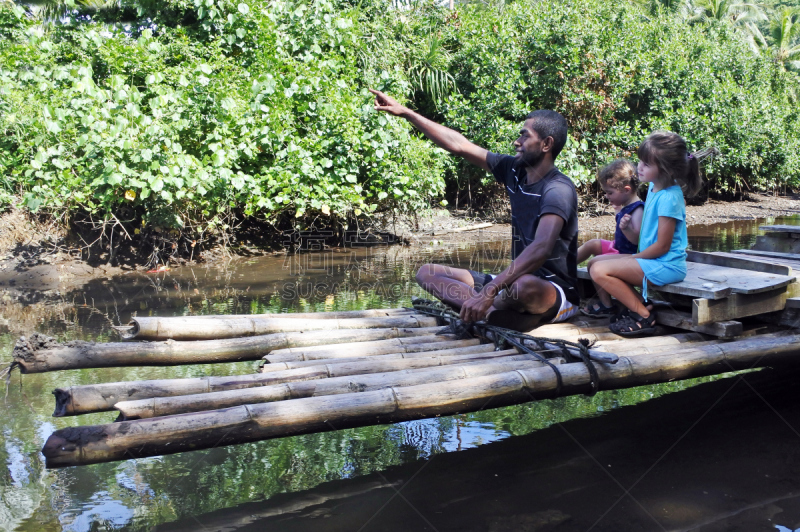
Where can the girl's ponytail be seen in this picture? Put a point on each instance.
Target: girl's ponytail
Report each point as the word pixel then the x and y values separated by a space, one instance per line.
pixel 694 181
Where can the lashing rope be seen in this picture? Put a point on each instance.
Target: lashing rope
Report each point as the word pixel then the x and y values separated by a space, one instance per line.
pixel 503 337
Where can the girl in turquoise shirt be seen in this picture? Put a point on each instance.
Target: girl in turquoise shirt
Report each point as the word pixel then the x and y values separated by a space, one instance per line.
pixel 672 171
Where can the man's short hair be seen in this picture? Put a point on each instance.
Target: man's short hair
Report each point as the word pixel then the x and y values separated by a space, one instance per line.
pixel 550 124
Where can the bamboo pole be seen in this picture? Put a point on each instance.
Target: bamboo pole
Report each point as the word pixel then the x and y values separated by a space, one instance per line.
pixel 571 328
pixel 674 342
pixel 592 334
pixel 37 355
pixel 663 348
pixel 192 328
pixel 456 347
pixel 594 354
pixel 383 365
pixel 367 350
pixel 246 423
pixel 378 347
pixel 634 343
pixel 88 398
pixel 166 406
pixel 331 315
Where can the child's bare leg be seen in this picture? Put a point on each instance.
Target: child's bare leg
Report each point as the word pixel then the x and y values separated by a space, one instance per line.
pixel 617 279
pixel 648 305
pixel 591 248
pixel 602 295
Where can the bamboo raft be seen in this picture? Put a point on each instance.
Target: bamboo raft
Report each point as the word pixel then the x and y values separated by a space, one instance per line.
pixel 330 371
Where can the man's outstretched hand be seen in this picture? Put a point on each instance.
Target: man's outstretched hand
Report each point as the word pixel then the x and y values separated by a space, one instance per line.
pixel 386 103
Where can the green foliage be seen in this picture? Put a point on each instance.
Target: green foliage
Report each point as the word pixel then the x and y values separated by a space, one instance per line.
pixel 258 109
pixel 617 75
pixel 785 38
pixel 734 13
pixel 174 114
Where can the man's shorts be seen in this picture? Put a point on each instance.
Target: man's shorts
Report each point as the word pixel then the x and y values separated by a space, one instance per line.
pixel 565 309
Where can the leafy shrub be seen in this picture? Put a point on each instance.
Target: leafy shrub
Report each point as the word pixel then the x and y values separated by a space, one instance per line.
pixel 177 128
pixel 177 113
pixel 617 75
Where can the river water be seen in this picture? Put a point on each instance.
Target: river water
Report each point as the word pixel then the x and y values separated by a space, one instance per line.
pixel 723 454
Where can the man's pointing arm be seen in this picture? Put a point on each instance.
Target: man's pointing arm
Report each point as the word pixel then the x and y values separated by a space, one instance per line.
pixel 444 137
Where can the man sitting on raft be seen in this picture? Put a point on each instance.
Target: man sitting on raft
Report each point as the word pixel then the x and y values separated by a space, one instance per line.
pixel 539 285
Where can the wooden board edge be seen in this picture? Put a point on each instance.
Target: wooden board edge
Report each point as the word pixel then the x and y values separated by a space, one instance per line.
pixel 739 263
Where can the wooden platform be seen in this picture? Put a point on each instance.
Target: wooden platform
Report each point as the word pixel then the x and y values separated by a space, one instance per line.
pixel 368 382
pixel 721 288
pixel 779 239
pixel 789 229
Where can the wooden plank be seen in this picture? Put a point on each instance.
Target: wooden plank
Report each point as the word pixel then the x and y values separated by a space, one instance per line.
pixel 731 260
pixel 780 242
pixel 691 286
pixel 793 264
pixel 705 311
pixel 790 318
pixel 793 302
pixel 772 254
pixel 739 281
pixel 683 320
pixel 717 282
pixel 781 228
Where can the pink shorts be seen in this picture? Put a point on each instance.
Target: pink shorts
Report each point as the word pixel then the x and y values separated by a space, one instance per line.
pixel 607 248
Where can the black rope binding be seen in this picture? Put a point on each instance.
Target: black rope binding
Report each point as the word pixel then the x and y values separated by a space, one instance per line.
pixel 503 338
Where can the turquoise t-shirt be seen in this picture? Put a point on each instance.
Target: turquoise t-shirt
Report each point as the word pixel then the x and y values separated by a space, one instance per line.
pixel 666 202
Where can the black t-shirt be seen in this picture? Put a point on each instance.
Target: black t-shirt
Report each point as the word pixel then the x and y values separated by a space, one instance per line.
pixel 553 194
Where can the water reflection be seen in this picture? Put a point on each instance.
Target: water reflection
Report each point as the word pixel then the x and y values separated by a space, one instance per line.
pixel 690 461
pixel 294 472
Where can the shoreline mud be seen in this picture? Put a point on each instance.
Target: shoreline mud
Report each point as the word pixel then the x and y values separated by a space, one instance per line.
pixel 47 268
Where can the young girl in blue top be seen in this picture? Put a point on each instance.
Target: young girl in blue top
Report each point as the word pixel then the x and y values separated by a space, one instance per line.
pixel 672 171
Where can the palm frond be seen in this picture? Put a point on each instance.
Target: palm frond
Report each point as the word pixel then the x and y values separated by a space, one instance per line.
pixel 54 10
pixel 428 73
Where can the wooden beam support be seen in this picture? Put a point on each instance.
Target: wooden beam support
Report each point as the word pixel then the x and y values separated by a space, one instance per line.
pixel 793 302
pixel 683 320
pixel 706 311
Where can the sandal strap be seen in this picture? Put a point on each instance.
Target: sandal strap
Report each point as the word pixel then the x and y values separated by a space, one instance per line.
pixel 649 321
pixel 632 322
pixel 624 324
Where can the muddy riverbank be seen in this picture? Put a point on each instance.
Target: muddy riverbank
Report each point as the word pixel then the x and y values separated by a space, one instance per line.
pixel 33 257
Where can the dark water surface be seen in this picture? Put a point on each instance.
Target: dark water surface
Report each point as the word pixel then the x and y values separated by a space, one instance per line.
pixel 724 454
